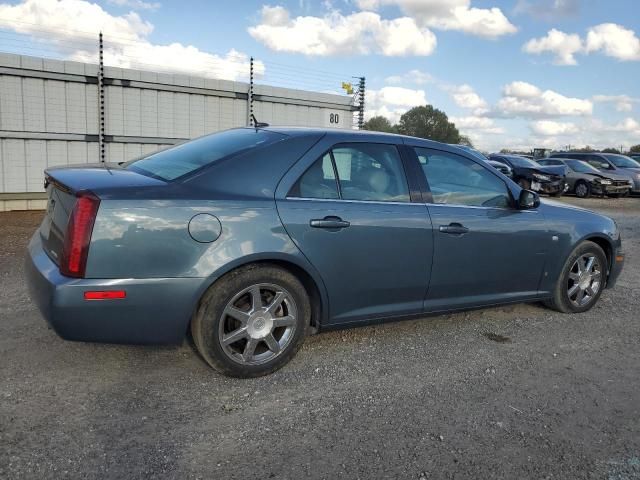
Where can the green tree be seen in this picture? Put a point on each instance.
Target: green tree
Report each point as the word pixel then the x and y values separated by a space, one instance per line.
pixel 429 122
pixel 379 124
pixel 635 149
pixel 465 140
pixel 610 150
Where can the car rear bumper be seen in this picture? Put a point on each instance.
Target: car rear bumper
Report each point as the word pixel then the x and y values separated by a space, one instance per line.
pixel 155 311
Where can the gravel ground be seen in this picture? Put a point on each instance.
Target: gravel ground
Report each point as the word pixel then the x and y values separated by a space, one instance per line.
pixel 512 392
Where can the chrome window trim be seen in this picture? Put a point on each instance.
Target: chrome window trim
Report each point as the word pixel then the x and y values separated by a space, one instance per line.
pixel 375 202
pixel 427 204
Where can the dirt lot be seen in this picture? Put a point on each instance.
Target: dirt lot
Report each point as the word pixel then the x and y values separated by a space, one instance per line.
pixel 559 397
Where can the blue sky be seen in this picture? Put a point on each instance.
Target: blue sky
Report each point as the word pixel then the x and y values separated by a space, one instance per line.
pixel 519 73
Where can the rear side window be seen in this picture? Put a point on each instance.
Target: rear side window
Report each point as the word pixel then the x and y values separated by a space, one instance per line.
pixel 188 157
pixel 319 181
pixel 455 180
pixel 365 171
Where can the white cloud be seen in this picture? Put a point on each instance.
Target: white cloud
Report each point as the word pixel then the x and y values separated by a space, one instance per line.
pixel 337 34
pixel 562 45
pixel 614 41
pixel 136 4
pixel 392 102
pixel 477 123
pixel 415 77
pixel 68 27
pixel 465 96
pixel 450 15
pixel 609 38
pixel 550 127
pixel 522 99
pixel 623 103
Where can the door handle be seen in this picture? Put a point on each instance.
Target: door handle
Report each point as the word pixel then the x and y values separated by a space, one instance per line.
pixel 454 229
pixel 334 223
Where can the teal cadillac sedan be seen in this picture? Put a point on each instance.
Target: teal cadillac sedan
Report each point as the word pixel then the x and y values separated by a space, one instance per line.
pixel 252 238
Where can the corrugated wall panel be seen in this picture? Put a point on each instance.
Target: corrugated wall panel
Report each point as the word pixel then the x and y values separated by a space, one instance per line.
pixel 14 165
pixel 11 117
pixel 36 162
pixel 114 110
pixel 132 111
pixel 150 114
pixel 76 108
pixel 33 104
pixel 196 116
pixel 57 153
pixel 165 114
pixel 55 105
pixel 180 115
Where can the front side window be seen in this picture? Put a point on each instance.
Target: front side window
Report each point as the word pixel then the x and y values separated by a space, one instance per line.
pixel 367 172
pixel 455 180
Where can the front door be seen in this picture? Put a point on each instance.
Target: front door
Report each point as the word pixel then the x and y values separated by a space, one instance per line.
pixel 485 250
pixel 351 215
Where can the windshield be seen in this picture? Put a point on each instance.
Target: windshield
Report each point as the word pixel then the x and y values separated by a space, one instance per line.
pixel 581 167
pixel 622 161
pixel 187 157
pixel 522 162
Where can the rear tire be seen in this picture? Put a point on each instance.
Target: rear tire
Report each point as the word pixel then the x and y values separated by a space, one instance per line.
pixel 252 321
pixel 582 189
pixel 581 280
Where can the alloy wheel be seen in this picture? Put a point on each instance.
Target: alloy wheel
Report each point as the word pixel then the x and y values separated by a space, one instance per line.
pixel 257 324
pixel 581 190
pixel 585 280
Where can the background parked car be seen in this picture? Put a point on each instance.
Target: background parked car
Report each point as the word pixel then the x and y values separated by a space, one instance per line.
pixel 609 163
pixel 635 156
pixel 533 176
pixel 500 166
pixel 585 180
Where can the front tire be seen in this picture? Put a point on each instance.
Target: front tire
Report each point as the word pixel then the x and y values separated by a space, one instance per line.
pixel 583 190
pixel 581 281
pixel 252 321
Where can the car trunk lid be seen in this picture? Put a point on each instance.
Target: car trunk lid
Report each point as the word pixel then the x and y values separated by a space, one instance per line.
pixel 64 185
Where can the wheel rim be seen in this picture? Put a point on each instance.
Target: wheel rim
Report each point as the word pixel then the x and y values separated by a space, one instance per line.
pixel 585 279
pixel 257 324
pixel 581 190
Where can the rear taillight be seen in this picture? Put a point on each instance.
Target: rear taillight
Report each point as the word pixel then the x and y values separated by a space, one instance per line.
pixel 78 237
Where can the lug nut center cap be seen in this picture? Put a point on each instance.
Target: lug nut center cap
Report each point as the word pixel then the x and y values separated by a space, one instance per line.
pixel 259 325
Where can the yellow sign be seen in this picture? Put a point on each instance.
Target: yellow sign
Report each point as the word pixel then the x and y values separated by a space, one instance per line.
pixel 347 87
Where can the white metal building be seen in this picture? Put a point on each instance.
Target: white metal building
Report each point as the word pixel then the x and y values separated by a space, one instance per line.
pixel 49 116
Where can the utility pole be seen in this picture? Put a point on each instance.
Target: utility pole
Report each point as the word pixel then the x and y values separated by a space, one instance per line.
pixel 101 122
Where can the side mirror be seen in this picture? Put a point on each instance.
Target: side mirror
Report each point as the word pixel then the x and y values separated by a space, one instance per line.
pixel 528 200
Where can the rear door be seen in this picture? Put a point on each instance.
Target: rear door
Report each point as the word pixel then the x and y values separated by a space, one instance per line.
pixel 349 210
pixel 485 250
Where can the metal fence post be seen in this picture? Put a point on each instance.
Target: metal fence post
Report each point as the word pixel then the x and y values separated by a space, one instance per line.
pixel 250 96
pixel 101 122
pixel 361 89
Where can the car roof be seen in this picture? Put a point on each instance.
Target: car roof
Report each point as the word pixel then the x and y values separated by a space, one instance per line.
pixel 359 135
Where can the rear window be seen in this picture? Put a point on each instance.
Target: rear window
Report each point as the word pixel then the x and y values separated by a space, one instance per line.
pixel 188 157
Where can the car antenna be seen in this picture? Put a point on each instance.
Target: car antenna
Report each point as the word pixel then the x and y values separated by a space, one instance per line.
pixel 256 123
